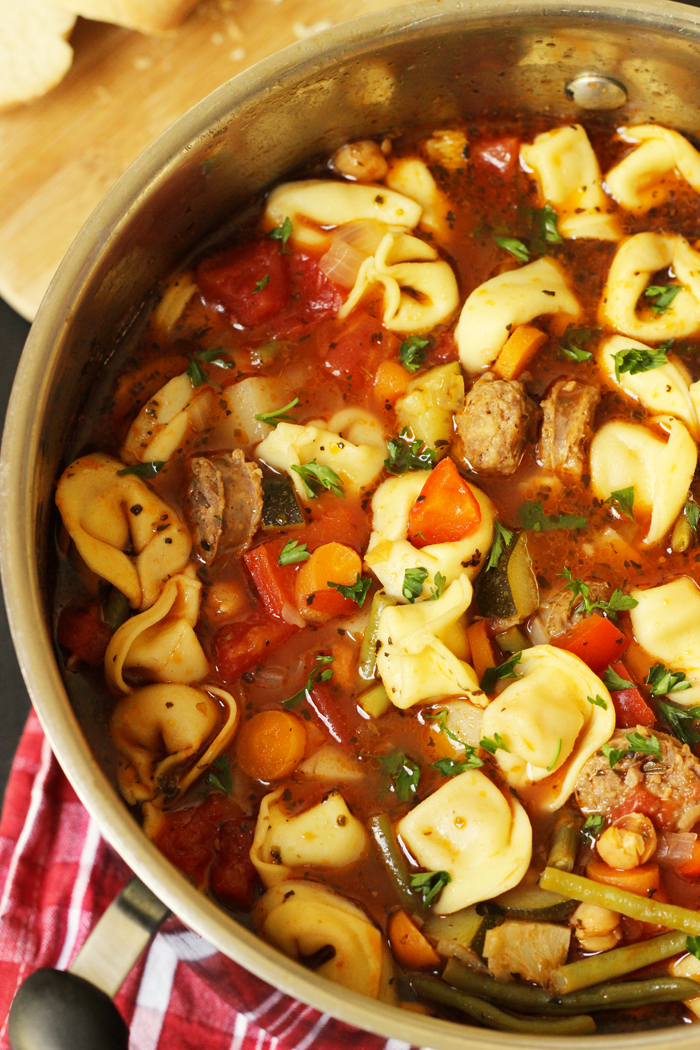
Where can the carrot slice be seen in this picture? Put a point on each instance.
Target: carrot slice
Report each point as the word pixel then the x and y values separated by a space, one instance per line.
pixel 411 949
pixel 520 348
pixel 594 640
pixel 390 382
pixel 271 745
pixel 481 648
pixel 642 879
pixel 330 563
pixel 691 868
pixel 446 509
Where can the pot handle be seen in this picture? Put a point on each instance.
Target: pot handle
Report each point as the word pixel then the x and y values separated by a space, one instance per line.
pixel 73 1010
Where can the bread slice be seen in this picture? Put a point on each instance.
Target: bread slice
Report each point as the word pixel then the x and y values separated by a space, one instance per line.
pixel 34 53
pixel 148 16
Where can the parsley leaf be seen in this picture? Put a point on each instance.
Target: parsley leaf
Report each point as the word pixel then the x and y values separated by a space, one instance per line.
pixel 692 945
pixel 692 513
pixel 441 718
pixel 592 828
pixel 429 884
pixel 501 541
pixel 548 222
pixel 492 744
pixel 413 352
pixel 292 553
pixel 554 761
pixel 597 701
pixel 196 372
pixel 533 517
pixel 279 414
pixel 314 474
pixel 515 247
pixel 413 580
pixel 452 767
pixel 680 720
pixel 613 681
pixel 663 295
pixel 149 469
pixel 494 674
pixel 356 591
pixel 212 357
pixel 571 343
pixel 439 580
pixel 283 233
pixel 613 754
pixel 403 771
pixel 320 673
pixel 406 454
pixel 618 602
pixel 643 745
pixel 636 360
pixel 623 501
pixel 663 681
pixel 262 283
pixel 219 775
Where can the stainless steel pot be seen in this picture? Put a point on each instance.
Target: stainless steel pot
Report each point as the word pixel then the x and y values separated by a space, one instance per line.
pixel 424 63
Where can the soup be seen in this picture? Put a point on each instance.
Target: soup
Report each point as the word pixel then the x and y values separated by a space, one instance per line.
pixel 380 543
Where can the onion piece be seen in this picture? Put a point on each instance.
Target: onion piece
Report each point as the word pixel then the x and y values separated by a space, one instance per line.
pixel 674 848
pixel 291 615
pixel 341 263
pixel 365 235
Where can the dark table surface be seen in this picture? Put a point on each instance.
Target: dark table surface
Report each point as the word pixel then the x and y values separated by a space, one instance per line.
pixel 14 702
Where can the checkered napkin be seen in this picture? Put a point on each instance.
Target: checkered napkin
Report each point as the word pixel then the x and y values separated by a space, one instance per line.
pixel 57 876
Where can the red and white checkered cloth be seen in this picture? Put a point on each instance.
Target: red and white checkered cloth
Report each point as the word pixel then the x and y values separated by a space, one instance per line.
pixel 57 876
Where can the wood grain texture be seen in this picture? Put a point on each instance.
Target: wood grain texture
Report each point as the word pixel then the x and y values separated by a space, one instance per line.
pixel 60 155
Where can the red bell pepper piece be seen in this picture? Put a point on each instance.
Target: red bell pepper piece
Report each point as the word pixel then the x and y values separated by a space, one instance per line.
pixel 595 640
pixel 239 646
pixel 337 715
pixel 274 582
pixel 630 706
pixel 446 509
pixel 84 633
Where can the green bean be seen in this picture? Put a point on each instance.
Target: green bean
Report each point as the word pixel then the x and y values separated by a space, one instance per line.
pixel 562 853
pixel 527 999
pixel 490 1016
pixel 643 908
pixel 383 834
pixel 368 649
pixel 115 610
pixel 615 963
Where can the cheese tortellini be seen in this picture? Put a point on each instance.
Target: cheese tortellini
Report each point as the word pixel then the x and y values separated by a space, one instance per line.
pixel 666 622
pixel 301 918
pixel 106 513
pixel 412 178
pixel 636 261
pixel 419 648
pixel 177 720
pixel 566 168
pixel 160 643
pixel 325 836
pixel 503 302
pixel 552 718
pixel 162 425
pixel 428 406
pixel 637 182
pixel 291 445
pixel 420 289
pixel 480 835
pixel 624 454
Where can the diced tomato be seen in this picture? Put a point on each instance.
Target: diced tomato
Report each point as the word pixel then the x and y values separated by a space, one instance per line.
pixel 337 714
pixel 84 633
pixel 233 876
pixel 274 582
pixel 630 706
pixel 499 156
pixel 313 297
pixel 663 812
pixel 445 349
pixel 446 509
pixel 594 640
pixel 354 358
pixel 252 283
pixel 242 645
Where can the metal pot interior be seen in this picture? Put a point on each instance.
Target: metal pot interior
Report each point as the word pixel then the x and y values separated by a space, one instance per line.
pixel 424 63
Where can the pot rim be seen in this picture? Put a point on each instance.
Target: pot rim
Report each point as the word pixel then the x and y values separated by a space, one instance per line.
pixel 20 450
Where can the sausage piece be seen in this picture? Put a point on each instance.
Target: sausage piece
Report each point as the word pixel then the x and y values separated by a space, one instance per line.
pixel 567 425
pixel 223 504
pixel 494 426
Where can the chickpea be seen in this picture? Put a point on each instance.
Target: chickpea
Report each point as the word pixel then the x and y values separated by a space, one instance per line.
pixel 362 161
pixel 629 842
pixel 596 929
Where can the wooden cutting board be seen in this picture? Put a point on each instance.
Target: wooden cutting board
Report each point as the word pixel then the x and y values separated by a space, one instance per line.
pixel 60 154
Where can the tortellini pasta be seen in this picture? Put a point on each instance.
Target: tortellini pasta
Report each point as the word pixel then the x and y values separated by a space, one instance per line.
pixel 503 302
pixel 300 918
pixel 291 445
pixel 478 834
pixel 429 404
pixel 162 425
pixel 178 720
pixel 419 648
pixel 637 182
pixel 566 168
pixel 315 203
pixel 666 622
pixel 420 289
pixel 389 552
pixel 624 454
pixel 551 719
pixel 357 425
pixel 325 836
pixel 175 298
pixel 411 177
pixel 106 513
pixel 663 390
pixel 636 261
pixel 160 643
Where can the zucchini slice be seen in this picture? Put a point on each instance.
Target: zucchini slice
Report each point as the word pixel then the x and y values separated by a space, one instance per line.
pixel 280 506
pixel 528 901
pixel 467 928
pixel 510 588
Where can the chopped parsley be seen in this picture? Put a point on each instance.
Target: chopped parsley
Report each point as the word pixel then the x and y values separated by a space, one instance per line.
pixel 571 344
pixel 504 670
pixel 613 681
pixel 533 517
pixel 452 767
pixel 618 602
pixel 662 681
pixel 439 582
pixel 492 744
pixel 357 591
pixel 314 474
pixel 501 541
pixel 441 718
pixel 592 828
pixel 292 553
pixel 692 945
pixel 279 414
pixel 413 580
pixel 407 453
pixel 262 283
pixel 613 754
pixel 196 372
pixel 554 761
pixel 548 224
pixel 662 295
pixel 403 771
pixel 413 352
pixel 283 233
pixel 692 514
pixel 149 469
pixel 623 501
pixel 429 884
pixel 598 701
pixel 636 360
pixel 212 357
pixel 680 721
pixel 638 744
pixel 320 673
pixel 516 248
pixel 219 775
